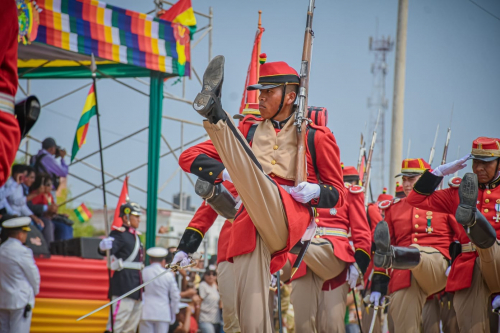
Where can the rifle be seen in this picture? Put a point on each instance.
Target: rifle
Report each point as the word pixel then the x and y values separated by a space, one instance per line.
pixel 300 119
pixel 366 176
pixel 446 144
pixel 433 149
pixel 362 150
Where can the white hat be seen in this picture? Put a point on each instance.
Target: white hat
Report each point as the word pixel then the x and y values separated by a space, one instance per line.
pixel 157 252
pixel 17 222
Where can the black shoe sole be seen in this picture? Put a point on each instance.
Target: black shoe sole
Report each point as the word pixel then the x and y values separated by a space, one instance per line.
pixel 212 80
pixel 382 237
pixel 467 192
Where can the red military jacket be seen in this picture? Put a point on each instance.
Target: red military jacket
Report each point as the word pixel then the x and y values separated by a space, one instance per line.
pixel 447 201
pixel 407 226
pixel 204 161
pixel 10 135
pixel 205 217
pixel 351 217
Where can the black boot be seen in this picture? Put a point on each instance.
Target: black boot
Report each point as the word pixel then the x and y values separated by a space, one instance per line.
pixel 479 230
pixel 388 256
pixel 207 103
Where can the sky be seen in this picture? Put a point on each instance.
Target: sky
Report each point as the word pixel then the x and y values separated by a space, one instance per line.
pixel 452 60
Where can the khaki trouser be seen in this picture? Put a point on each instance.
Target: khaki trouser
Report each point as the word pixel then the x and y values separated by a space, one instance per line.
pixel 428 277
pixel 448 314
pixel 366 319
pixel 430 316
pixel 322 261
pixel 127 314
pixel 472 304
pixel 262 200
pixel 490 266
pixel 226 283
pixel 316 310
pixel 259 194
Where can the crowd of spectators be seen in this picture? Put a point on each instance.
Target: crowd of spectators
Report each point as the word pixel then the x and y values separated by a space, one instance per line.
pixel 30 191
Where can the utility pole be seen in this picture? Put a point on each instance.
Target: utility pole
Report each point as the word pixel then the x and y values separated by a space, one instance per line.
pixel 398 96
pixel 378 104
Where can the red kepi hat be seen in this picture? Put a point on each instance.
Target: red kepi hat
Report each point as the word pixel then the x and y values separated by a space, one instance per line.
pixel 413 167
pixel 485 149
pixel 274 74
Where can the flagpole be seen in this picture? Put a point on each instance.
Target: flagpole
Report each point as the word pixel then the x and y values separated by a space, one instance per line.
pixel 93 68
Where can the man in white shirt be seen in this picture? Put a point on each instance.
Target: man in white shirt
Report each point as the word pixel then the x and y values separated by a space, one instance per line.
pixel 161 297
pixel 19 277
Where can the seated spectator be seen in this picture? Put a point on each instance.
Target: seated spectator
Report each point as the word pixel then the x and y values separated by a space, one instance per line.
pixel 185 322
pixel 210 302
pixel 15 203
pixel 46 161
pixel 45 204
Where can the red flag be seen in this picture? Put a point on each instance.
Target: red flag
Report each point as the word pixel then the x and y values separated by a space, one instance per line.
pixel 117 221
pixel 250 99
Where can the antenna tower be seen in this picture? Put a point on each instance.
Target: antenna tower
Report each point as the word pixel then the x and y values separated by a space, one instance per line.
pixel 377 101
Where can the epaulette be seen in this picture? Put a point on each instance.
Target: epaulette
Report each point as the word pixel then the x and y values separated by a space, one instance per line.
pixel 347 185
pixel 454 182
pixel 120 229
pixel 384 204
pixel 356 189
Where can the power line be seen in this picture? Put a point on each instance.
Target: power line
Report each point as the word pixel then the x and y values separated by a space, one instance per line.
pixel 484 9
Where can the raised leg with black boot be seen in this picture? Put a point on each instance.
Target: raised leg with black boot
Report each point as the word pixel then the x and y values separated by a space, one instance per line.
pixel 427 266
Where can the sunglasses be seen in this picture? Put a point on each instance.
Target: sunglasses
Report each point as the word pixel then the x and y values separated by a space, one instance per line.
pixel 211 273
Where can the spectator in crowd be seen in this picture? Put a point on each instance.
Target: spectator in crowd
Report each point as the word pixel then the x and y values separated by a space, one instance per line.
pixel 46 161
pixel 44 206
pixel 184 321
pixel 210 302
pixel 19 277
pixel 161 297
pixel 15 203
pixel 36 189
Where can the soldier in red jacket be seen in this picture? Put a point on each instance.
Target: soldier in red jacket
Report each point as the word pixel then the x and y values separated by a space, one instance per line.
pixel 10 134
pixel 320 287
pixel 375 213
pixel 274 214
pixel 414 243
pixel 476 205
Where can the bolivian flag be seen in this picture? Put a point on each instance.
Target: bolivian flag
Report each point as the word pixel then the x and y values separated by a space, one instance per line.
pixel 89 110
pixel 83 213
pixel 182 13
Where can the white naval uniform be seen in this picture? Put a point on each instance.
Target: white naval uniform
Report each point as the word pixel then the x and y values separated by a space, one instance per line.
pixel 19 283
pixel 161 300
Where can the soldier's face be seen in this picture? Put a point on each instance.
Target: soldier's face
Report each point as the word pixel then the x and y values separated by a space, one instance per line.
pixel 485 171
pixel 135 220
pixel 408 183
pixel 269 102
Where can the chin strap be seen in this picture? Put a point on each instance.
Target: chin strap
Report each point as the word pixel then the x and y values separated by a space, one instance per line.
pixel 282 101
pixel 496 174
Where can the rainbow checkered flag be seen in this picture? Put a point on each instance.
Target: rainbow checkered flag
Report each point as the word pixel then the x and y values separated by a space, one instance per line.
pixel 89 110
pixel 83 213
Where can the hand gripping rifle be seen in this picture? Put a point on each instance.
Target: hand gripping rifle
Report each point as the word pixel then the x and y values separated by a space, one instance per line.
pixel 300 116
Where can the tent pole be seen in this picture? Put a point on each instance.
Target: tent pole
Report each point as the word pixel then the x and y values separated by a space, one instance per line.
pixel 155 120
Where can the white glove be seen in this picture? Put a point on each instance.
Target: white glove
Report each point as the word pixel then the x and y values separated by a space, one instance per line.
pixel 181 258
pixel 305 192
pixel 375 298
pixel 452 167
pixel 226 176
pixel 106 244
pixel 496 302
pixel 447 271
pixel 274 280
pixel 352 276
